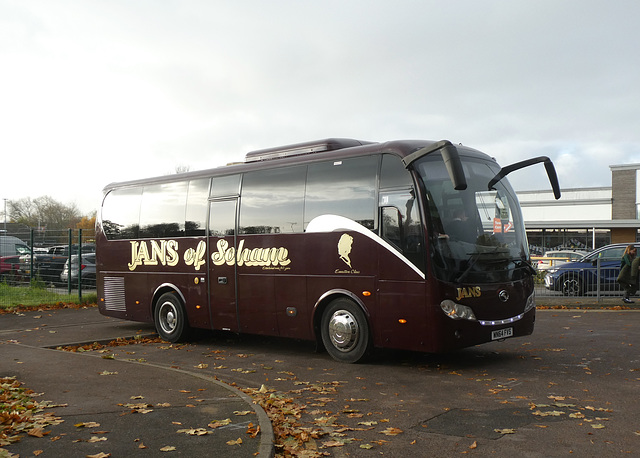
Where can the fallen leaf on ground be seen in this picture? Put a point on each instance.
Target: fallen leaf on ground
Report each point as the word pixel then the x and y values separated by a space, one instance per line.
pixel 87 424
pixel 333 444
pixel 96 439
pixel 218 423
pixel 195 431
pixel 37 432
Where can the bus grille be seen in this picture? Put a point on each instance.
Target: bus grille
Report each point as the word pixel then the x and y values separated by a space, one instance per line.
pixel 114 294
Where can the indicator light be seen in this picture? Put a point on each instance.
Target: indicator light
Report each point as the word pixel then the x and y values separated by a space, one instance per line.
pixel 366 293
pixel 402 321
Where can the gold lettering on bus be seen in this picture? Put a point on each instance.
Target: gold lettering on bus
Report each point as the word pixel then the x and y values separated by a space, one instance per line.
pixel 164 252
pixel 265 257
pixel 473 291
pixel 196 257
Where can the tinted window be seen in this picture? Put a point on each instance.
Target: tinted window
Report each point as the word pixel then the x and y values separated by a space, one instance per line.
pixel 611 254
pixel 272 201
pixel 225 186
pixel 400 225
pixel 162 213
pixel 345 188
pixel 22 249
pixel 222 218
pixel 197 201
pixel 121 213
pixel 393 173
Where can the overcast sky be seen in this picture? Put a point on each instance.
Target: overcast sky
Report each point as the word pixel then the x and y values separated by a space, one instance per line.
pixel 93 92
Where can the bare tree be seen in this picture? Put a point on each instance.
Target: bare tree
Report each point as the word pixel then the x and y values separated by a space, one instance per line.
pixel 23 211
pixel 44 211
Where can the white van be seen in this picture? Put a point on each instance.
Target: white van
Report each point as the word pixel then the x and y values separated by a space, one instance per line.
pixel 12 246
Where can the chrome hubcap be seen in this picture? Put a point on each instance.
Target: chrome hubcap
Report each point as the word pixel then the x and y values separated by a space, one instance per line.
pixel 168 317
pixel 343 330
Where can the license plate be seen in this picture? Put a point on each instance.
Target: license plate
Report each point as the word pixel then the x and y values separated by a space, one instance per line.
pixel 501 333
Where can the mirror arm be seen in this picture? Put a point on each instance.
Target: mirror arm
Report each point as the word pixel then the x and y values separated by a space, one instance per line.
pixel 451 160
pixel 548 165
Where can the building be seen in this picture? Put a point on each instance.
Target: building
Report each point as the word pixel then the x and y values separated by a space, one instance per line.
pixel 584 218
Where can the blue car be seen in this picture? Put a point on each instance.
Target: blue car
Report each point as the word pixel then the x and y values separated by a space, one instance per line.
pixel 580 277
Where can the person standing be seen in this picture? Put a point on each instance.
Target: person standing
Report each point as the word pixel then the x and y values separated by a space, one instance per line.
pixel 628 277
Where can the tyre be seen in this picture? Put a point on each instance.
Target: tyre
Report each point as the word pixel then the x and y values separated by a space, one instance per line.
pixel 572 286
pixel 170 318
pixel 345 331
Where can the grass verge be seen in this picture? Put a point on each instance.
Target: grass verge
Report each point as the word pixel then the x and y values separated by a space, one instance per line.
pixel 14 298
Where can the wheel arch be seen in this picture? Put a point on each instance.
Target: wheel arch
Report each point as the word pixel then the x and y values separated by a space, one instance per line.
pixel 323 302
pixel 165 288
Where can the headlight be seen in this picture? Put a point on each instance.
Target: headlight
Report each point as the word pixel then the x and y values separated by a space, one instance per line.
pixel 457 311
pixel 552 270
pixel 531 302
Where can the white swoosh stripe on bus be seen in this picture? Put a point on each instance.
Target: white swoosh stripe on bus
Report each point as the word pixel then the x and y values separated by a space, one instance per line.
pixel 334 223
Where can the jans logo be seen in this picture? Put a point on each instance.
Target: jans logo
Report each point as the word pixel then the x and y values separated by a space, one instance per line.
pixel 473 291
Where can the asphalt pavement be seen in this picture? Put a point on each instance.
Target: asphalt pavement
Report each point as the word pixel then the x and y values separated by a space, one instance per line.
pixel 571 387
pixel 119 407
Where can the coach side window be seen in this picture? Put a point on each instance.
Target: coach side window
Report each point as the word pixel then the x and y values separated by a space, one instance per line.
pixel 272 201
pixel 345 187
pixel 393 173
pixel 121 213
pixel 162 212
pixel 400 224
pixel 225 186
pixel 197 199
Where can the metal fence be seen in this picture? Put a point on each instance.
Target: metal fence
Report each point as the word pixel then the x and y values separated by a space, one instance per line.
pixel 595 282
pixel 47 265
pixel 50 268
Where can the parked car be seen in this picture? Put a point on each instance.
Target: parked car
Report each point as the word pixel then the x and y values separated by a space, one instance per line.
pixel 581 276
pixel 88 266
pixel 48 266
pixel 11 248
pixel 557 257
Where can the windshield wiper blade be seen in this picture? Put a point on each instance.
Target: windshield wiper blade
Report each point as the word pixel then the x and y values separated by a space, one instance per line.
pixel 474 259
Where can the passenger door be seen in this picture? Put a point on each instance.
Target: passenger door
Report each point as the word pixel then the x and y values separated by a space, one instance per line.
pixel 401 286
pixel 222 264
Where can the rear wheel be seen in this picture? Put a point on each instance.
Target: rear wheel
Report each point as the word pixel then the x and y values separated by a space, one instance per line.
pixel 345 331
pixel 170 318
pixel 572 286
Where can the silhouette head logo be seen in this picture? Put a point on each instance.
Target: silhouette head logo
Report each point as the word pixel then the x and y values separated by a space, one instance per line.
pixel 344 248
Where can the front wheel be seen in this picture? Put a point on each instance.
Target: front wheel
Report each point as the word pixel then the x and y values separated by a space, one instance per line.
pixel 170 318
pixel 345 331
